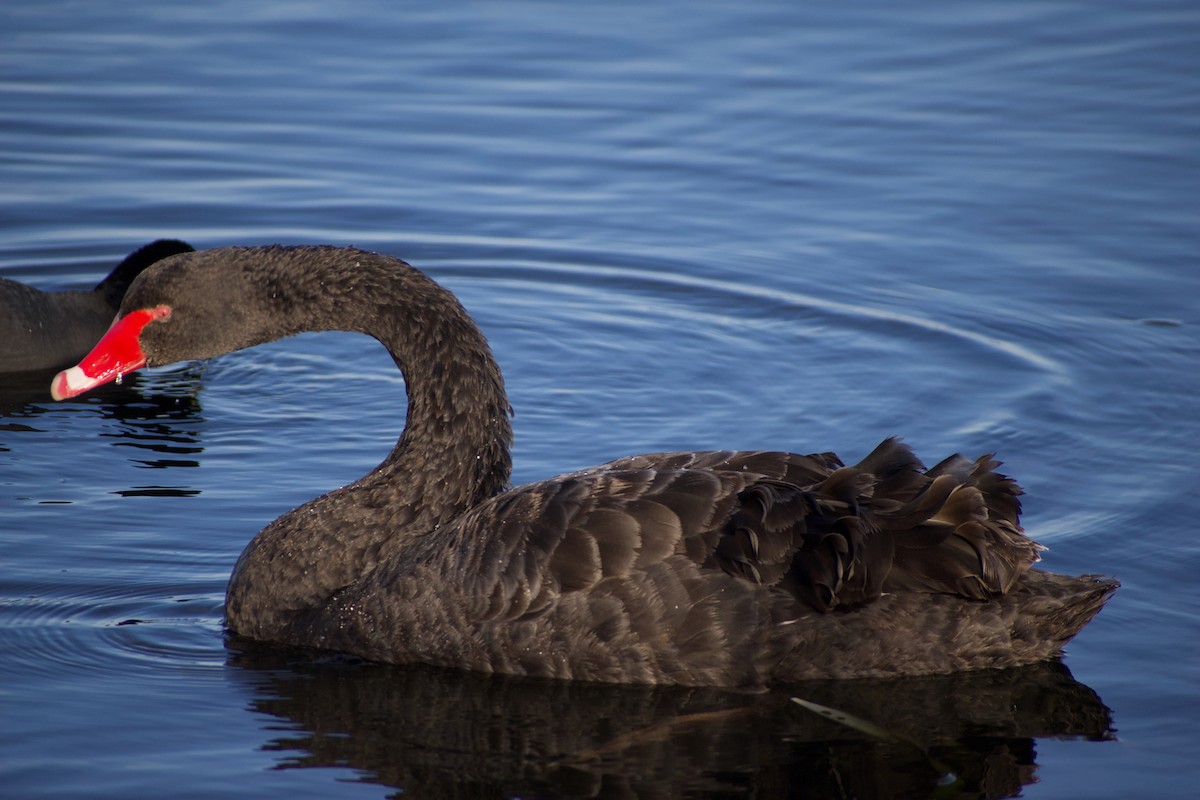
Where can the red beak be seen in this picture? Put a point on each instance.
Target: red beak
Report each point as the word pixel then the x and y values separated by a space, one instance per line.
pixel 117 353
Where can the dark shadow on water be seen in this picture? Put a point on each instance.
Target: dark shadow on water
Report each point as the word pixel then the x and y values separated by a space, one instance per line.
pixel 429 732
pixel 135 397
pixel 160 425
pixel 161 419
pixel 25 391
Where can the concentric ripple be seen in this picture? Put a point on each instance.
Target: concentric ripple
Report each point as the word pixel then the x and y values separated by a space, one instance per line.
pixel 111 629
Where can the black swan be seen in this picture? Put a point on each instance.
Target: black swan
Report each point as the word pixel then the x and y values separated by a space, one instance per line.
pixel 720 568
pixel 51 330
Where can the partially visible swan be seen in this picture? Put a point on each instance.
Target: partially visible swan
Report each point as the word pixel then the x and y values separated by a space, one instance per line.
pixel 51 330
pixel 725 568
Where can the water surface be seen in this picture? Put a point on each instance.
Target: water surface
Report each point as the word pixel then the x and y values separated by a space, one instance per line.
pixel 682 226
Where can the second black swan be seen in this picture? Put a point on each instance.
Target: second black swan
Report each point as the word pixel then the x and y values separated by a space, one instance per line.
pixel 51 330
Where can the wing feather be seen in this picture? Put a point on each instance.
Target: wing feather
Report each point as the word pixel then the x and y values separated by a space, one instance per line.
pixel 828 535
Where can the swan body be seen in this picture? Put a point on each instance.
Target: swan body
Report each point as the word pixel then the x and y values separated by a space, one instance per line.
pixel 704 568
pixel 51 330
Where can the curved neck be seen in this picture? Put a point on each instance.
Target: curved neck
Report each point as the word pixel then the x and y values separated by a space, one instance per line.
pixel 454 451
pixel 453 454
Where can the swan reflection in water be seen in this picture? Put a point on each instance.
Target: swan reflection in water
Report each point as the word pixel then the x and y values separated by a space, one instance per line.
pixel 431 732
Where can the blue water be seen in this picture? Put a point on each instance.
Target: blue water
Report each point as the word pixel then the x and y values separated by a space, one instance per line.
pixel 682 225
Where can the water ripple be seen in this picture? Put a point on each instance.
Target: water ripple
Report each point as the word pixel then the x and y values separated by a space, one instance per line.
pixel 111 630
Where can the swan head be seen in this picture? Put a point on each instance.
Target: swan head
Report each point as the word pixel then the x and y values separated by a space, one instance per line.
pixel 190 306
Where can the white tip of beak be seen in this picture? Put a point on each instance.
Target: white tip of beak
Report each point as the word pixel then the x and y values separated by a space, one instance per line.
pixel 69 383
